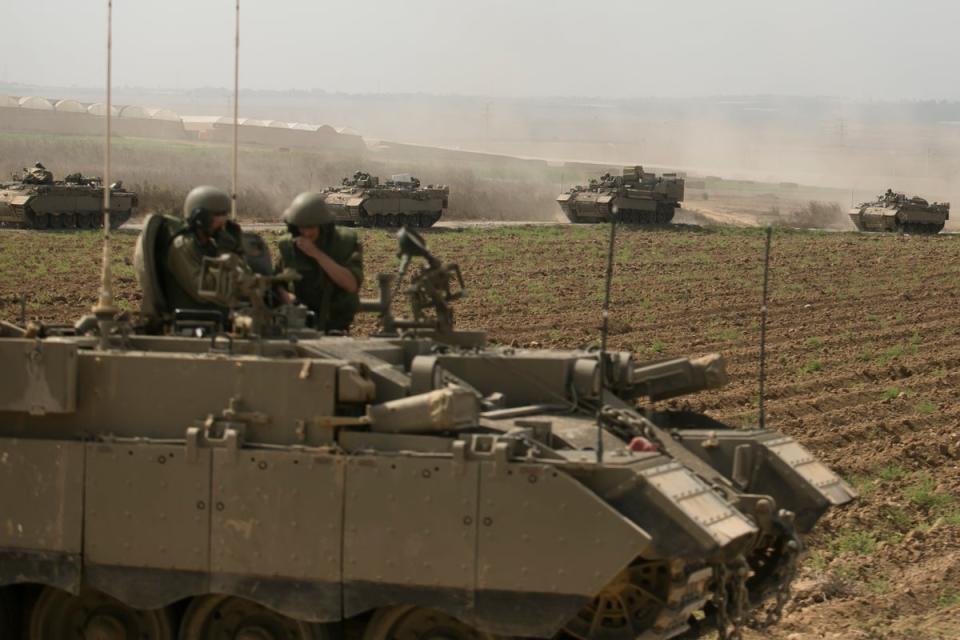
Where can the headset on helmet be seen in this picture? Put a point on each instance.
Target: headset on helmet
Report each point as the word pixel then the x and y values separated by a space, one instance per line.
pixel 202 203
pixel 309 209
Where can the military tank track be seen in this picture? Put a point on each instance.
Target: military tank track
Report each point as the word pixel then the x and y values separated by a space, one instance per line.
pixel 78 221
pixel 663 215
pixel 649 600
pixel 919 228
pixel 397 220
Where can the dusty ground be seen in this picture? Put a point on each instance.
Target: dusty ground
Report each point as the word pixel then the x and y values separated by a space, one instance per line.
pixel 864 348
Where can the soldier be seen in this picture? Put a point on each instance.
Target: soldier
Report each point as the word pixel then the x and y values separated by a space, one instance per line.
pixel 329 260
pixel 38 174
pixel 208 232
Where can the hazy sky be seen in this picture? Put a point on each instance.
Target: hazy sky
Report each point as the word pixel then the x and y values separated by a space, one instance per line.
pixel 874 49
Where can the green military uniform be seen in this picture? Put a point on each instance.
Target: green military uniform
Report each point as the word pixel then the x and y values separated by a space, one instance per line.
pixel 334 306
pixel 182 273
pixel 183 261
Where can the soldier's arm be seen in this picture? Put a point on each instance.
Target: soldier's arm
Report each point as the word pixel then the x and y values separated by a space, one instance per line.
pixel 340 275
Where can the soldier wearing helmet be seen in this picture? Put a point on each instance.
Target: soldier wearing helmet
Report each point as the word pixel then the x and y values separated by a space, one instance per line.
pixel 328 258
pixel 207 232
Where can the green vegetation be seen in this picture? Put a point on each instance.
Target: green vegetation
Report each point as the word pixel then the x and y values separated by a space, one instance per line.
pixel 855 542
pixel 891 472
pixel 923 493
pixel 811 366
pixel 949 598
pixel 891 393
pixel 879 585
pixel 925 407
pixel 724 335
pixel 897 517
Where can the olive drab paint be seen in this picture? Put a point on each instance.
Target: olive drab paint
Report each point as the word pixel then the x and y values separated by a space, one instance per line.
pixel 418 475
pixel 401 201
pixel 76 202
pixel 894 211
pixel 636 197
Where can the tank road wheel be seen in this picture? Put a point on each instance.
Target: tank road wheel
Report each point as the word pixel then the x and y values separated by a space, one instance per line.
pixel 210 617
pixel 94 616
pixel 416 623
pixel 402 220
pixel 390 220
pixel 378 220
pixel 626 607
pixel 41 221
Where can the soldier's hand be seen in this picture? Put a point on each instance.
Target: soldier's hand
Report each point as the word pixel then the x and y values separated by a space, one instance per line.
pixel 307 247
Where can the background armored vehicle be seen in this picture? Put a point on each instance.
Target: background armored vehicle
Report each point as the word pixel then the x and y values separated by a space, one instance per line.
pixel 34 200
pixel 636 197
pixel 271 482
pixel 896 212
pixel 363 201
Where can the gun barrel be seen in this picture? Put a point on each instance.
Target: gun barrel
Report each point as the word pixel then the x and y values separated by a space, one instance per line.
pixel 677 377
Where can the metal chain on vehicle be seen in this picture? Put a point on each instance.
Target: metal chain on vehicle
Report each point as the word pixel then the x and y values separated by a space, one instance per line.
pixel 788 571
pixel 731 598
pixel 720 579
pixel 741 598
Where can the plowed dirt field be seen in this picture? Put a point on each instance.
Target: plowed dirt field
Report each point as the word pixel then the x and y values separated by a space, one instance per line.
pixel 864 368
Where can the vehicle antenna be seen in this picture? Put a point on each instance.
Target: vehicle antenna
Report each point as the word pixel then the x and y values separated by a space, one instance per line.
pixel 236 109
pixel 105 310
pixel 603 332
pixel 763 325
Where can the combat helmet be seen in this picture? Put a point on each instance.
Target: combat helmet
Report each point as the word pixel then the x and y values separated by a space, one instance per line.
pixel 204 202
pixel 308 210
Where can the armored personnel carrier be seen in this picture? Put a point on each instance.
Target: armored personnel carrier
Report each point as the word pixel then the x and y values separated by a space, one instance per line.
pixel 401 201
pixel 34 200
pixel 258 480
pixel 894 211
pixel 636 197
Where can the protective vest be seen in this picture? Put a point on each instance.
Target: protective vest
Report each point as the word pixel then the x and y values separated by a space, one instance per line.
pixel 333 306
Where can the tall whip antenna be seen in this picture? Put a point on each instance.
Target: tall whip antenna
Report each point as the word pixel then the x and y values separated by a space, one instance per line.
pixel 105 310
pixel 236 109
pixel 763 327
pixel 603 335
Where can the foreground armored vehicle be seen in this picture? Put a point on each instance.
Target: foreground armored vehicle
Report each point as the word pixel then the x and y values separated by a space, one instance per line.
pixel 271 482
pixel 636 197
pixel 896 212
pixel 34 200
pixel 401 201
